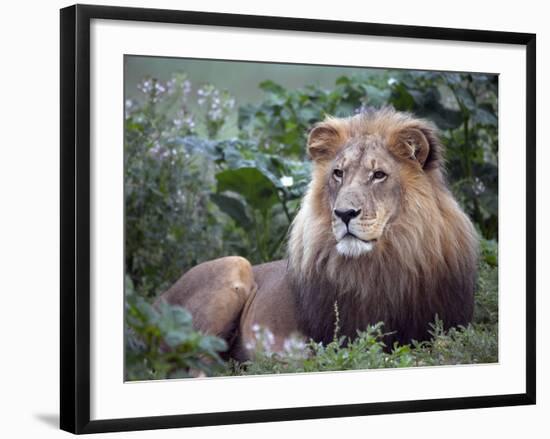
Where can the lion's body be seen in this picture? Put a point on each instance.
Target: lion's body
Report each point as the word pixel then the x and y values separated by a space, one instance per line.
pixel 378 233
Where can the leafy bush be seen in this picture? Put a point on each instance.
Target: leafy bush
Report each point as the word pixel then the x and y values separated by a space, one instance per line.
pixel 168 181
pixel 368 351
pixel 161 343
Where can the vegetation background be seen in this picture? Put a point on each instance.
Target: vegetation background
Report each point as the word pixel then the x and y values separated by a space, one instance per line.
pixel 215 165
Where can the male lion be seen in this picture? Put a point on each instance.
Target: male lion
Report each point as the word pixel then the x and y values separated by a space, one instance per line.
pixel 378 233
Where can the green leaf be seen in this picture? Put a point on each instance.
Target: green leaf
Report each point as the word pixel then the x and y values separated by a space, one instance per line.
pixel 466 98
pixel 212 344
pixel 343 80
pixel 444 118
pixel 257 189
pixel 345 110
pixel 174 337
pixel 489 251
pixel 182 317
pixel 234 208
pixel 401 98
pixel 485 115
pixel 272 87
pixel 375 96
pixel 308 115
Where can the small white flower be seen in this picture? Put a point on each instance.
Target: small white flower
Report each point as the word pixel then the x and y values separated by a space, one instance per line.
pixel 269 337
pixel 171 86
pixel 146 86
pixel 287 180
pixel 392 81
pixel 215 114
pixel 186 87
pixel 229 104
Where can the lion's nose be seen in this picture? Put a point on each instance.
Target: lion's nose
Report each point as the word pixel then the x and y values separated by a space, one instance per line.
pixel 346 215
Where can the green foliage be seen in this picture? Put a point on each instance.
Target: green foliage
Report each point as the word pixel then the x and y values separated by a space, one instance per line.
pixel 486 310
pixel 161 343
pixel 260 191
pixel 193 194
pixel 368 351
pixel 167 185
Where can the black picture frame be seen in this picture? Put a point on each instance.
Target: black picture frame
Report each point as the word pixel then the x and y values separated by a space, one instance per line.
pixel 75 217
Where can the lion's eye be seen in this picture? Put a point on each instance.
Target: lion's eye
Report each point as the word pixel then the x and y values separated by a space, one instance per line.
pixel 338 173
pixel 379 175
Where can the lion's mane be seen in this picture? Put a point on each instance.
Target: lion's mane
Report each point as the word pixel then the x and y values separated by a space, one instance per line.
pixel 424 265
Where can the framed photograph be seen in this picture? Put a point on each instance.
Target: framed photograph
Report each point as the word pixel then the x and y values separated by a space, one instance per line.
pixel 275 218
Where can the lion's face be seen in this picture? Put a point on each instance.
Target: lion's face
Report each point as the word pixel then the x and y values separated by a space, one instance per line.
pixel 364 192
pixel 362 166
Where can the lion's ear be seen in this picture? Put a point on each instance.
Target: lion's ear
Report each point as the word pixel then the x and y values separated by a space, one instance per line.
pixel 414 145
pixel 324 140
pixel 419 143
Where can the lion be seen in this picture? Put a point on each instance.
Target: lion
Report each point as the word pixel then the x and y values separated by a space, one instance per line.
pixel 378 235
